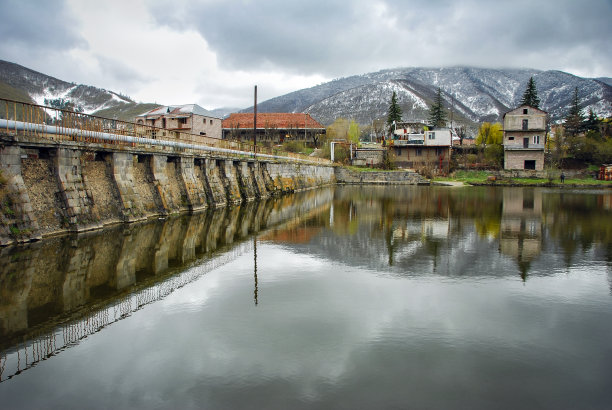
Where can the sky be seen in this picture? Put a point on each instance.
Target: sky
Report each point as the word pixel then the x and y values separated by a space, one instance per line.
pixel 213 52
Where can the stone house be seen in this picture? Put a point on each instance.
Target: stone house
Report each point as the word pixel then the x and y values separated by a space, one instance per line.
pixel 416 147
pixel 272 127
pixel 524 138
pixel 190 122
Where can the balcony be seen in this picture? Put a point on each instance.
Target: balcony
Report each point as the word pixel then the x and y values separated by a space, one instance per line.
pixel 521 147
pixel 409 139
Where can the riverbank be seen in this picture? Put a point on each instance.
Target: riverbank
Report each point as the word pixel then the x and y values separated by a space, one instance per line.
pixel 487 178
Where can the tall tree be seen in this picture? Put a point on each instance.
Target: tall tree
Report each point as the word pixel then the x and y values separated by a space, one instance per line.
pixel 575 117
pixel 395 113
pixel 530 97
pixel 489 134
pixel 592 122
pixel 353 132
pixel 437 116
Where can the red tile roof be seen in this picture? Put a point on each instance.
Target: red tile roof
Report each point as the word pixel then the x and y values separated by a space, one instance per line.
pixel 272 120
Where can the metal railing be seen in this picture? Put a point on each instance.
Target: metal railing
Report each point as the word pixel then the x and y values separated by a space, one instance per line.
pixel 54 124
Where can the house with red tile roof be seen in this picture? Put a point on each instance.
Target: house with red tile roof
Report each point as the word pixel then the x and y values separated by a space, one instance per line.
pixel 272 127
pixel 181 120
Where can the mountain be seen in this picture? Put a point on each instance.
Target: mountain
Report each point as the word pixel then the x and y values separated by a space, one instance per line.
pixel 22 84
pixel 474 94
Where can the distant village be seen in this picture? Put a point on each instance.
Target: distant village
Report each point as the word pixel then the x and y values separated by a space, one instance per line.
pixel 525 141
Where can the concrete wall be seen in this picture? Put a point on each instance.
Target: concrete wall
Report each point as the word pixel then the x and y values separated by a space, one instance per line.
pixel 515 159
pixel 49 190
pixel 344 175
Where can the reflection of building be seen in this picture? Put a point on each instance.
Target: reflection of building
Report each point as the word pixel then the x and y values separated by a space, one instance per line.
pixel 190 118
pixel 273 127
pixel 521 226
pixel 524 134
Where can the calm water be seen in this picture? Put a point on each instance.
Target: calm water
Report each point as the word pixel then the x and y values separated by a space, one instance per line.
pixel 355 297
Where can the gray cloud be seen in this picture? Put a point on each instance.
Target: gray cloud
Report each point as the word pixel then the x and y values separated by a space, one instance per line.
pixel 334 38
pixel 37 24
pixel 119 73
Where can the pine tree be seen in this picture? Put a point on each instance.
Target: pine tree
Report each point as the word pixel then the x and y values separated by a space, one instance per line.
pixel 437 116
pixel 575 117
pixel 530 97
pixel 592 122
pixel 395 113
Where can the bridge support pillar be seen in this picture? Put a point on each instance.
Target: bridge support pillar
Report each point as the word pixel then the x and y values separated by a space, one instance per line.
pixel 82 215
pixel 232 188
pixel 216 187
pixel 18 219
pixel 158 168
pixel 196 194
pixel 245 181
pixel 123 175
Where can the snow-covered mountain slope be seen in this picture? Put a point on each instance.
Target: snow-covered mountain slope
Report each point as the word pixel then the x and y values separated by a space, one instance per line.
pixel 473 94
pixel 42 88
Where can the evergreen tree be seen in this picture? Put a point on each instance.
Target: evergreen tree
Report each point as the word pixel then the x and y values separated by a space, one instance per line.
pixel 592 122
pixel 437 116
pixel 575 117
pixel 395 113
pixel 530 97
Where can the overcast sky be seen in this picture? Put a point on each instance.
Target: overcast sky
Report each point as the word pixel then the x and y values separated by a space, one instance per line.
pixel 212 52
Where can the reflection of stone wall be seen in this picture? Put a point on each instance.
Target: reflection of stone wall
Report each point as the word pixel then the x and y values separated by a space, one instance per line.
pixel 52 278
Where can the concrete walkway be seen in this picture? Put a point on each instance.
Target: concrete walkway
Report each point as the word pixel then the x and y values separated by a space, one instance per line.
pixel 450 183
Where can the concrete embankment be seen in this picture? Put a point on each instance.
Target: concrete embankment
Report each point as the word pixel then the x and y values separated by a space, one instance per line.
pixel 47 190
pixel 348 176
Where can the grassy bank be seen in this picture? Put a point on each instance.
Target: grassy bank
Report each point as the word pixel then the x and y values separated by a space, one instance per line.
pixel 483 178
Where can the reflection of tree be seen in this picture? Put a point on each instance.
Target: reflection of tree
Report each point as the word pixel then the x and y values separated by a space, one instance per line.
pixel 578 221
pixel 484 206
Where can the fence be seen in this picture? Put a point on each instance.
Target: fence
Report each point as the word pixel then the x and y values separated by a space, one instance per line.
pixel 48 123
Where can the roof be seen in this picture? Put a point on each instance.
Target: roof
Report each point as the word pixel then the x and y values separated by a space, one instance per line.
pixel 176 110
pixel 272 120
pixel 519 110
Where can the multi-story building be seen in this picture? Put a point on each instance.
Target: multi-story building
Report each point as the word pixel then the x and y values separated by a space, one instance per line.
pixel 183 121
pixel 524 138
pixel 412 145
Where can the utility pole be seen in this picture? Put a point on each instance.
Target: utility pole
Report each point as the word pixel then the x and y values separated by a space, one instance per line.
pixel 255 123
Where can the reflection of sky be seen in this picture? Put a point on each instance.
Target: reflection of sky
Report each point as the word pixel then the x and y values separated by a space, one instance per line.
pixel 328 335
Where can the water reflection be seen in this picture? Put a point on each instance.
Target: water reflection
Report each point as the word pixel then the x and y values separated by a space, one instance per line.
pixel 459 232
pixel 87 282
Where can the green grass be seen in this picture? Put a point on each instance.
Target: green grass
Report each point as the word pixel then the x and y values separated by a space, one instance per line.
pixel 480 177
pixel 467 176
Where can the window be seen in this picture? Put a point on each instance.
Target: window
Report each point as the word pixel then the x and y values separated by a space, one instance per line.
pixel 525 111
pixel 536 139
pixel 182 120
pixel 510 138
pixel 525 125
pixel 432 135
pixel 211 122
pixel 530 164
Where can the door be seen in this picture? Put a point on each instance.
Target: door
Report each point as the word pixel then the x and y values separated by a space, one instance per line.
pixel 525 142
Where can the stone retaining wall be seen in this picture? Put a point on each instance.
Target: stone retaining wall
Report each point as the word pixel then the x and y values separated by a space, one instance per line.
pixel 50 190
pixel 347 176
